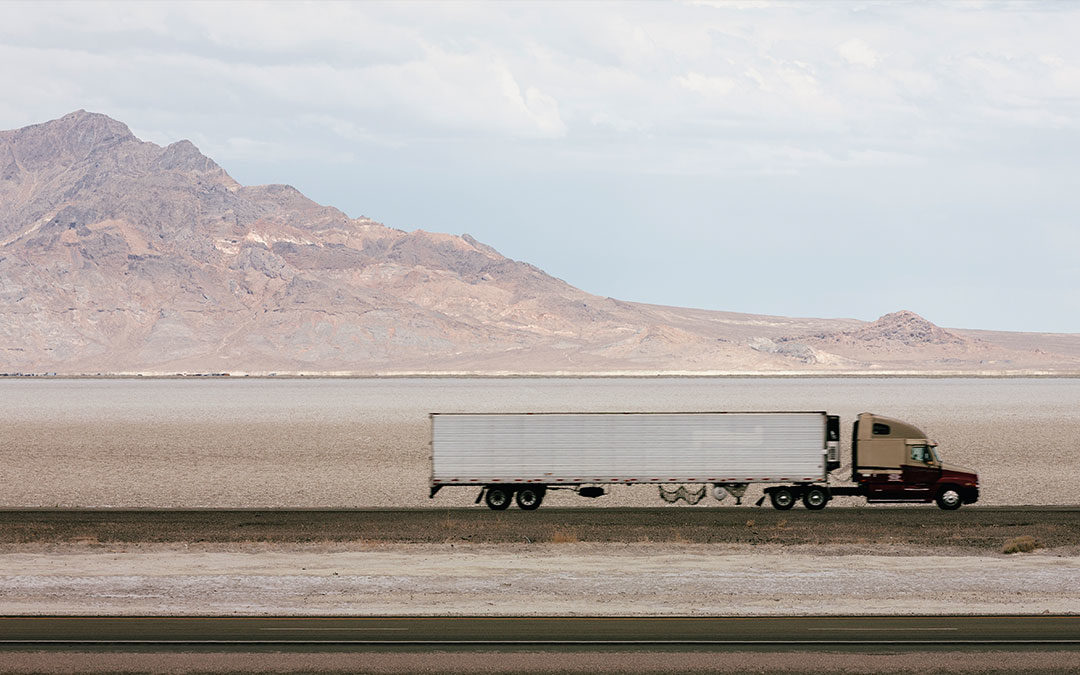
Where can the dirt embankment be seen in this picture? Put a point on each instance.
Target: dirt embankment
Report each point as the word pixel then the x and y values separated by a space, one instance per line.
pixel 835 530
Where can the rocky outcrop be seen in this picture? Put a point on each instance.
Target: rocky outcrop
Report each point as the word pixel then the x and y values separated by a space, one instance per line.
pixel 908 340
pixel 903 329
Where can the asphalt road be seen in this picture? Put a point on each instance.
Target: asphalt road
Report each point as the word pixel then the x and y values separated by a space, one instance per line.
pixel 807 633
pixel 982 528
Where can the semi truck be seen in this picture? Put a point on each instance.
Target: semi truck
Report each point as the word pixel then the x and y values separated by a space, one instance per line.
pixel 520 457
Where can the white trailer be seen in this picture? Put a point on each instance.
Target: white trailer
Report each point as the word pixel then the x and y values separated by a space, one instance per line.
pixel 519 457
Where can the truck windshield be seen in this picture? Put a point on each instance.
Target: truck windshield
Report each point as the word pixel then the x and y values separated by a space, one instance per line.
pixel 933 453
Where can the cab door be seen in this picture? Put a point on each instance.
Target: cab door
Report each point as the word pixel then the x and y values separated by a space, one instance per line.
pixel 920 473
pixel 884 486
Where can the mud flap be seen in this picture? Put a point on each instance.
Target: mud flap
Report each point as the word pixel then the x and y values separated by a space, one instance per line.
pixel 480 496
pixel 434 490
pixel 760 501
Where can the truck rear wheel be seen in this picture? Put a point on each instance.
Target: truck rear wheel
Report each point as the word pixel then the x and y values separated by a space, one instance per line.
pixel 497 497
pixel 949 499
pixel 529 498
pixel 782 499
pixel 815 499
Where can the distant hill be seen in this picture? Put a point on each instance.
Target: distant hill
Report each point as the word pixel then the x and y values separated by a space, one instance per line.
pixel 118 255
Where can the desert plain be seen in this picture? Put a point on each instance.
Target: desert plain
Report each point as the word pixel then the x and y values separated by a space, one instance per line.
pixel 362 443
pixel 291 444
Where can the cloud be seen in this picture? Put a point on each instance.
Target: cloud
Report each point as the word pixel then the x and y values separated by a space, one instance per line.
pixel 784 74
pixel 708 86
pixel 542 110
pixel 858 53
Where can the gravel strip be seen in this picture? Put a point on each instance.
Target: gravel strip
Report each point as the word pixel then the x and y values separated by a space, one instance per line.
pixel 576 579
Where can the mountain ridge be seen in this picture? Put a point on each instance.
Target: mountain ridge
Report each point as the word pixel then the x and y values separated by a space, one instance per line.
pixel 119 255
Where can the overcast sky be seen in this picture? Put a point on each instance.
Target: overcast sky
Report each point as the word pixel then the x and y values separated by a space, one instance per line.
pixel 807 159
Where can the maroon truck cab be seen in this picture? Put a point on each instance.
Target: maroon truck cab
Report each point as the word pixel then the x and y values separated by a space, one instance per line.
pixel 893 461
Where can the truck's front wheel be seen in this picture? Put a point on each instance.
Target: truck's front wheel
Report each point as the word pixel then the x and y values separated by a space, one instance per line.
pixel 949 499
pixel 529 498
pixel 782 499
pixel 497 497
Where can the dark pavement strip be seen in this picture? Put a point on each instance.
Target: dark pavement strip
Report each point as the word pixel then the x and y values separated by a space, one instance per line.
pixel 808 632
pixel 922 525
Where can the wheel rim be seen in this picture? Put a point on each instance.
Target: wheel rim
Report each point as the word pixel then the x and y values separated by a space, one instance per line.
pixel 950 497
pixel 527 497
pixel 497 497
pixel 815 498
pixel 783 498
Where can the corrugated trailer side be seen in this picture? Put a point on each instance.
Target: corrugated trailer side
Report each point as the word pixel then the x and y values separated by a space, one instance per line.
pixel 577 448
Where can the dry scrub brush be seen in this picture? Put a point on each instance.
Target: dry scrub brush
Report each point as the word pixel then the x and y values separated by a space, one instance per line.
pixel 1021 544
pixel 565 536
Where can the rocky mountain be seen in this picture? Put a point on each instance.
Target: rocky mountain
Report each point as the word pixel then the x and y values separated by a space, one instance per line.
pixel 118 255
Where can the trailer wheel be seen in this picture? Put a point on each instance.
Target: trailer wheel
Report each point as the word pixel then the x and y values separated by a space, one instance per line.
pixel 949 499
pixel 782 499
pixel 815 499
pixel 529 498
pixel 497 497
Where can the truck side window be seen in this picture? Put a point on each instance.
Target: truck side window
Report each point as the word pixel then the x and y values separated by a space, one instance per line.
pixel 920 454
pixel 881 429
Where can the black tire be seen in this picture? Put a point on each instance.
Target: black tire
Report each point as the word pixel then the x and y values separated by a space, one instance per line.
pixel 815 498
pixel 498 497
pixel 949 499
pixel 529 498
pixel 782 499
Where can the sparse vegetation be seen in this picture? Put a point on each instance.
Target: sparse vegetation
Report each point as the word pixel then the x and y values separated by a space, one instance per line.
pixel 678 536
pixel 565 536
pixel 1021 544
